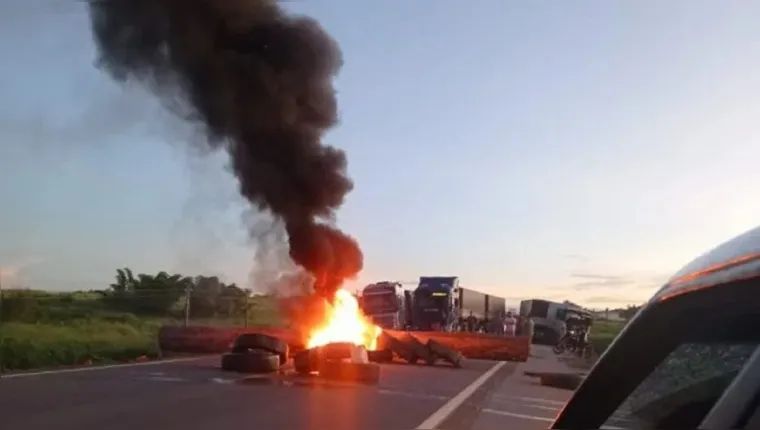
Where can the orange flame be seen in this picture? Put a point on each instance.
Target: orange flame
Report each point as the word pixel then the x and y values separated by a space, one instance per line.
pixel 345 322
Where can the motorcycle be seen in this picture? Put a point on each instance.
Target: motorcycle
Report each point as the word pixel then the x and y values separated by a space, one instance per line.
pixel 568 343
pixel 563 344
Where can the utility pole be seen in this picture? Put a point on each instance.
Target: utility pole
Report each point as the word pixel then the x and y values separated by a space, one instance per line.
pixel 247 306
pixel 187 306
pixel 2 338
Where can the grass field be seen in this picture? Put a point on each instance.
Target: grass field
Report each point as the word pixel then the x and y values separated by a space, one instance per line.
pixel 603 333
pixel 57 329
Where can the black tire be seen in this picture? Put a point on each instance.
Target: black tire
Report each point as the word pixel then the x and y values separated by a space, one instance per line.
pixel 400 348
pixel 336 351
pixel 251 362
pixel 565 381
pixel 380 356
pixel 419 349
pixel 306 361
pixel 450 355
pixel 366 373
pixel 558 348
pixel 257 341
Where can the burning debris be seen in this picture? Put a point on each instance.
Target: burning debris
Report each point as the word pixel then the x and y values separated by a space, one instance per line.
pixel 342 361
pixel 259 83
pixel 345 323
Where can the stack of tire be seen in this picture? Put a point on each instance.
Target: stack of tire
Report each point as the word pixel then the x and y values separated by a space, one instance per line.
pixel 338 361
pixel 408 348
pixel 256 353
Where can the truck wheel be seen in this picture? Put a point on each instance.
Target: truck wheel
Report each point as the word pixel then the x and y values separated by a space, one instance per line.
pixel 367 373
pixel 250 362
pixel 257 341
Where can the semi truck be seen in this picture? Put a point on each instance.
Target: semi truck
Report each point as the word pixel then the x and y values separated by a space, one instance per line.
pixel 441 304
pixel 387 304
pixel 549 318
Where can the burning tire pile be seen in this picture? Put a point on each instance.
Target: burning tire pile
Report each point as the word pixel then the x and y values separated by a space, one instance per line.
pixel 256 353
pixel 262 354
pixel 338 361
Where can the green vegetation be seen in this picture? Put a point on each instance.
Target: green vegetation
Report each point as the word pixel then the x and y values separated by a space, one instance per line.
pixel 44 329
pixel 603 333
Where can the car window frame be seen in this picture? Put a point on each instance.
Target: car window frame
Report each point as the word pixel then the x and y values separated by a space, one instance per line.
pixel 726 302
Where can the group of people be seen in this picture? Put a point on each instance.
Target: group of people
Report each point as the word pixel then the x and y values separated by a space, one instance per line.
pixel 576 335
pixel 506 324
pixel 574 339
pixel 518 326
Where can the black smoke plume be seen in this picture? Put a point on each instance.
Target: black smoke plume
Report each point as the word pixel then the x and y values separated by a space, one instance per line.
pixel 259 82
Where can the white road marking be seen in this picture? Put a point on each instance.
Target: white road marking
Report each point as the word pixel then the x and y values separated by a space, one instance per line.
pixel 542 407
pixel 93 368
pixel 514 415
pixel 528 402
pixel 536 418
pixel 164 379
pixel 540 400
pixel 449 407
pixel 411 395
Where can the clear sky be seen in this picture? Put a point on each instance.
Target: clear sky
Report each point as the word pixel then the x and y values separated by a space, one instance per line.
pixel 581 150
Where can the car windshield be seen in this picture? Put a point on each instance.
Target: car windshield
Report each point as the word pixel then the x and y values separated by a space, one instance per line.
pixel 431 299
pixel 682 388
pixel 375 303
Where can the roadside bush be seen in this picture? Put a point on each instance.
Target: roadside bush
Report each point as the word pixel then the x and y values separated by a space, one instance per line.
pixel 29 346
pixel 602 342
pixel 603 333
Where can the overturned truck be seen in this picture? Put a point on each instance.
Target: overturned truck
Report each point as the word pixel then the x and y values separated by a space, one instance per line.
pixel 550 318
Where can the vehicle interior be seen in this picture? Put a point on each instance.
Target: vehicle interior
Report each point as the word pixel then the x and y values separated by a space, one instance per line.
pixel 691 361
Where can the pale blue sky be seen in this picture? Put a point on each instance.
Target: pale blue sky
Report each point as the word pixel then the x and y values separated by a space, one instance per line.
pixel 578 149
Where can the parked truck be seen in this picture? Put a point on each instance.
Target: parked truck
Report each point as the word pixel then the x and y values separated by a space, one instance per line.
pixel 441 304
pixel 549 318
pixel 387 304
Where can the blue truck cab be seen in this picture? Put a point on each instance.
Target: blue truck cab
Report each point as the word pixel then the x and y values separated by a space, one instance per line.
pixel 436 303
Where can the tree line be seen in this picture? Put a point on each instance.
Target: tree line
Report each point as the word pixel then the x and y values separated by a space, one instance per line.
pixel 629 312
pixel 161 294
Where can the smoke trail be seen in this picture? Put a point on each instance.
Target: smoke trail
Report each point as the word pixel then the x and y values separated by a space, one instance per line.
pixel 260 83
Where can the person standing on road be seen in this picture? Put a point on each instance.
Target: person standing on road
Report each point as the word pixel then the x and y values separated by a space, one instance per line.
pixel 497 324
pixel 528 328
pixel 510 325
pixel 520 326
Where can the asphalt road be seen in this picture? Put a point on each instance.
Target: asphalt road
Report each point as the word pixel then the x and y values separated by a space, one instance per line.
pixel 196 395
pixel 521 402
